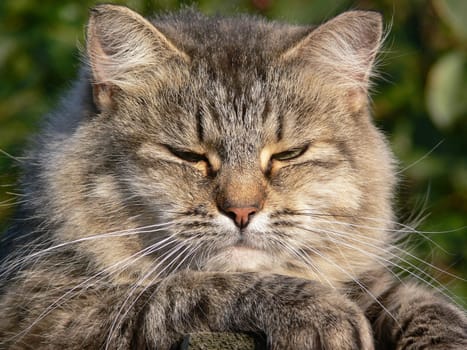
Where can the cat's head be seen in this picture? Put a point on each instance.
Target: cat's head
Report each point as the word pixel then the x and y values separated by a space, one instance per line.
pixel 228 144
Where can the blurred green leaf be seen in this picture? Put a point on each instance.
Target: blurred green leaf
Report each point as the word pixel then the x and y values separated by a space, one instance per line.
pixel 447 89
pixel 454 12
pixel 306 12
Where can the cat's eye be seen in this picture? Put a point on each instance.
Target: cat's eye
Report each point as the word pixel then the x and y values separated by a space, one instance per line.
pixel 188 156
pixel 290 154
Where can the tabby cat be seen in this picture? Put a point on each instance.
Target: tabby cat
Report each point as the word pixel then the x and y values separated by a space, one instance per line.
pixel 215 174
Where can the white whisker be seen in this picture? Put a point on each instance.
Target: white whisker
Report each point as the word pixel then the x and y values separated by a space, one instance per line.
pixel 128 232
pixel 395 247
pixel 78 288
pixel 306 260
pixel 353 278
pixel 164 257
pixel 379 257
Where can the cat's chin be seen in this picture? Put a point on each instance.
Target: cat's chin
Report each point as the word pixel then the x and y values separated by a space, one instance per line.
pixel 240 258
pixel 245 259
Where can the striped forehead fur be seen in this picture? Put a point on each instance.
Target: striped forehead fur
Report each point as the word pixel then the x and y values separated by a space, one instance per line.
pixel 345 55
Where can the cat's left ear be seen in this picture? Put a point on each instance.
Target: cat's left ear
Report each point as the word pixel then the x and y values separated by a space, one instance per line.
pixel 342 50
pixel 125 51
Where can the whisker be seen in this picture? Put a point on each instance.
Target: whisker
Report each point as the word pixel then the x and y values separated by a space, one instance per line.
pixel 353 278
pixel 438 286
pixel 77 289
pixel 165 256
pixel 420 159
pixel 395 247
pixel 386 251
pixel 404 227
pixel 409 229
pixel 16 159
pixel 128 232
pixel 306 260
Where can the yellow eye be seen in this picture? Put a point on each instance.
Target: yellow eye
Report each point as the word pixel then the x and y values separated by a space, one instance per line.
pixel 290 154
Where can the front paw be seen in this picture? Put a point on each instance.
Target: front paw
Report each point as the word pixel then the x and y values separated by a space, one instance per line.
pixel 326 323
pixel 292 313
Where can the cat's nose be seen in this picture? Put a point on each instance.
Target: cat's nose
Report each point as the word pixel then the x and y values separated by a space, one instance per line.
pixel 242 215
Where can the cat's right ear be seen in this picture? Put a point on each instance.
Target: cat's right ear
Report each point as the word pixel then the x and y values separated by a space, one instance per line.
pixel 342 52
pixel 125 50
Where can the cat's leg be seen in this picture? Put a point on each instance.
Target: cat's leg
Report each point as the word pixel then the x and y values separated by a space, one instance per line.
pixel 292 313
pixel 417 319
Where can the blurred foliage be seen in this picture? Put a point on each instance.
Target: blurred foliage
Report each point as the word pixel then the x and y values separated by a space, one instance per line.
pixel 420 102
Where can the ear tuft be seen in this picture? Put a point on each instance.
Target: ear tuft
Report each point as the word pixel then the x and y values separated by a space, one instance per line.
pixel 343 49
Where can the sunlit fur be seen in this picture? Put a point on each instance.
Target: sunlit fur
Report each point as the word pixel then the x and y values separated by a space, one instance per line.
pixel 107 203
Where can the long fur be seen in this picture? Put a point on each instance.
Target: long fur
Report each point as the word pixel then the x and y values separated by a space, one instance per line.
pixel 210 173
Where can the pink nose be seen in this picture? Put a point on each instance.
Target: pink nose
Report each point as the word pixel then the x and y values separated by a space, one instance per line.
pixel 241 216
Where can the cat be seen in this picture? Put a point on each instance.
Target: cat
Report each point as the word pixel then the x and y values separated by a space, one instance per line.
pixel 215 174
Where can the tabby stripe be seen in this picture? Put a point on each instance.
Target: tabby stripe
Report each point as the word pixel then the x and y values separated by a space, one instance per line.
pixel 199 124
pixel 214 114
pixel 266 112
pixel 346 152
pixel 280 127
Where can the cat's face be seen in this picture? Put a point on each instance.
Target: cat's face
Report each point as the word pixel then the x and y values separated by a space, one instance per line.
pixel 270 164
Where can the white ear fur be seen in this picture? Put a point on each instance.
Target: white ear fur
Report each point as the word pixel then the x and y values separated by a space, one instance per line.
pixel 121 47
pixel 343 49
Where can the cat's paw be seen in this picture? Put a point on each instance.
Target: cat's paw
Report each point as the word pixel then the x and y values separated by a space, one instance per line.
pixel 292 313
pixel 327 322
pixel 337 333
pixel 344 326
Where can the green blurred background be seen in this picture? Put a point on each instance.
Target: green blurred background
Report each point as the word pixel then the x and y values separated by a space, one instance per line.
pixel 420 101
